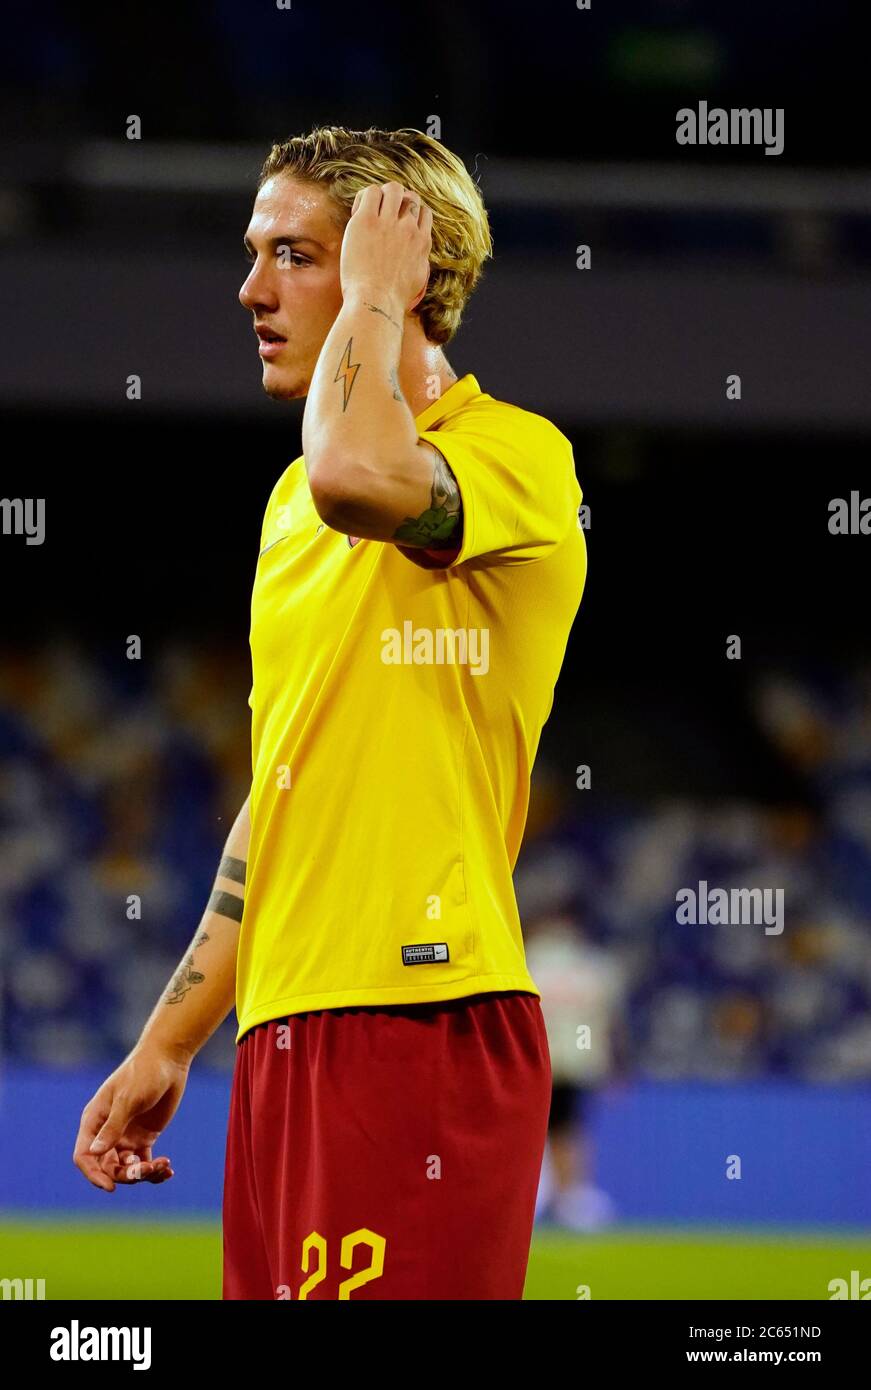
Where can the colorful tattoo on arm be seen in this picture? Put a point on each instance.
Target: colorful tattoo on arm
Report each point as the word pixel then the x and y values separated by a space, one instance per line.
pixel 442 522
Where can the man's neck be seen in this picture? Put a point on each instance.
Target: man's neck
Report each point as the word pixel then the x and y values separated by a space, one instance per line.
pixel 418 372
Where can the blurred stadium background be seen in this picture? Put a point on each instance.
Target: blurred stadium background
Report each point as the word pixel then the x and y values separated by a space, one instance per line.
pixel 707 518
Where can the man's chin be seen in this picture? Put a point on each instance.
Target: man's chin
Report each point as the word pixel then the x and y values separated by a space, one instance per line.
pixel 283 385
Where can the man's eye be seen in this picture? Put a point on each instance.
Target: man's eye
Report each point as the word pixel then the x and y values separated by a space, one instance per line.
pixel 282 255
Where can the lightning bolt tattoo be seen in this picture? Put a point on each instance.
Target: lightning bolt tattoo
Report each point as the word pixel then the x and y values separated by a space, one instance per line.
pixel 347 374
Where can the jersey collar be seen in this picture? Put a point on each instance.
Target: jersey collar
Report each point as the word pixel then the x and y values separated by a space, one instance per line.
pixel 450 401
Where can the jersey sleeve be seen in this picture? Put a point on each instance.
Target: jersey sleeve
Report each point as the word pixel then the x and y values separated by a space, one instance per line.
pixel 516 475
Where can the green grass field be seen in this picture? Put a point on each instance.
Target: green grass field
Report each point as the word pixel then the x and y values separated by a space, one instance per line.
pixel 80 1260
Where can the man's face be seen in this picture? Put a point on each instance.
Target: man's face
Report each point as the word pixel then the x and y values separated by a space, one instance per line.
pixel 293 291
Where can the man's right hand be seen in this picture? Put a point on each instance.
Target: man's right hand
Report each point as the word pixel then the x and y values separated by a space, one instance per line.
pixel 122 1122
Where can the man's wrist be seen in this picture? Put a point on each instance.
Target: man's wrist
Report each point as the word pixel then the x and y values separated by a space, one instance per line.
pixel 378 299
pixel 180 1052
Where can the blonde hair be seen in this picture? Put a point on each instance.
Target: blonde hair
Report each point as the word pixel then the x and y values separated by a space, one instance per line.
pixel 348 160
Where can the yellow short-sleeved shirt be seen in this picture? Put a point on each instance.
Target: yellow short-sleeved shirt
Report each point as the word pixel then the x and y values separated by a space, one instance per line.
pixel 397 711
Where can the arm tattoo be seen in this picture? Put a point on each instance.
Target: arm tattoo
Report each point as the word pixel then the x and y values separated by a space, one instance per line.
pixel 394 382
pixel 441 524
pixel 232 868
pixel 185 977
pixel 376 310
pixel 346 373
pixel 226 905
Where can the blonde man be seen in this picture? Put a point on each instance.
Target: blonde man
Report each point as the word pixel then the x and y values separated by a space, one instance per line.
pixel 420 567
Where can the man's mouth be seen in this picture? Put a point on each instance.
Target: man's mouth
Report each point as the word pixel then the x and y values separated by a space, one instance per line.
pixel 271 342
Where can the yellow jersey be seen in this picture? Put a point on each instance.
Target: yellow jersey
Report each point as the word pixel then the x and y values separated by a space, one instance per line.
pixel 396 714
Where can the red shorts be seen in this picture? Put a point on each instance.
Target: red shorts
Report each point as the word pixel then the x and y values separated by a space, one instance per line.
pixel 387 1153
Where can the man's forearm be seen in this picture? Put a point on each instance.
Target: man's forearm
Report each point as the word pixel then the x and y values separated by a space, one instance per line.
pixel 202 991
pixel 356 417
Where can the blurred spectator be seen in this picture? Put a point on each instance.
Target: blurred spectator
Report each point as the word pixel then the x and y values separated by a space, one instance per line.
pixel 581 992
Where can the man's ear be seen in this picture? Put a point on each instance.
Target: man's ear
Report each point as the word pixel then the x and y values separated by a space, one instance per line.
pixel 419 296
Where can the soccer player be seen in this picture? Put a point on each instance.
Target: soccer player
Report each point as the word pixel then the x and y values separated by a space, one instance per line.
pixel 420 567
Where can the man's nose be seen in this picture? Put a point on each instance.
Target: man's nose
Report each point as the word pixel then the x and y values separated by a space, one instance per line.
pixel 256 292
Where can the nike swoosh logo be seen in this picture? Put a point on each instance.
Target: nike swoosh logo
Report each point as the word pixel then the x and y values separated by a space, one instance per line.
pixel 271 544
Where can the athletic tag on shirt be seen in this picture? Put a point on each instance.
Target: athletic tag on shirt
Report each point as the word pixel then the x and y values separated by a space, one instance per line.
pixel 432 954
